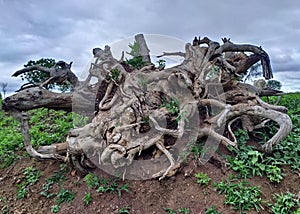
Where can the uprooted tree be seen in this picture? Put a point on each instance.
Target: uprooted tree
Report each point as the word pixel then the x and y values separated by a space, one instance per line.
pixel 144 117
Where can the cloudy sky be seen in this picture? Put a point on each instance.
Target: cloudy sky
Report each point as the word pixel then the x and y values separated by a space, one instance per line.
pixel 68 30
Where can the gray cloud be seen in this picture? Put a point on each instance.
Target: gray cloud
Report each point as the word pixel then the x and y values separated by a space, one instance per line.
pixel 68 30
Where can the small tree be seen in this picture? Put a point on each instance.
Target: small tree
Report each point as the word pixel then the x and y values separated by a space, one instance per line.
pixel 274 84
pixel 3 86
pixel 37 76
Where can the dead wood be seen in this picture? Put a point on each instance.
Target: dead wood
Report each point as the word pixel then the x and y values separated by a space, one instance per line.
pixel 145 119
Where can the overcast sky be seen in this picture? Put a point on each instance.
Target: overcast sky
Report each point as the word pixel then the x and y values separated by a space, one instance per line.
pixel 69 30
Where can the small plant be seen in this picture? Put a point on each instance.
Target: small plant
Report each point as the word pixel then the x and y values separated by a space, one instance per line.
pixel 58 177
pixel 92 181
pixel 184 210
pixel 125 210
pixel 285 203
pixel 87 198
pixel 212 210
pixel 65 196
pixel 161 63
pixel 172 106
pixel 274 173
pixel 241 196
pixel 114 75
pixel 136 61
pixel 170 211
pixel 112 186
pixel 55 208
pixel 31 176
pixel 180 210
pixel 202 178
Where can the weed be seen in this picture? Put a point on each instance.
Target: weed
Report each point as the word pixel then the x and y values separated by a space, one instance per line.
pixel 87 198
pixel 248 161
pixel 136 61
pixel 170 211
pixel 202 178
pixel 180 210
pixel 240 195
pixel 55 208
pixel 184 210
pixel 285 203
pixel 212 210
pixel 172 106
pixel 57 177
pixel 105 185
pixel 161 63
pixel 114 75
pixel 274 173
pixel 65 196
pixel 31 176
pixel 91 181
pixel 112 186
pixel 125 210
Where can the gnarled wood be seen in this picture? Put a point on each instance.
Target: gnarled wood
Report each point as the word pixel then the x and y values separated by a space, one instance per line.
pixel 132 116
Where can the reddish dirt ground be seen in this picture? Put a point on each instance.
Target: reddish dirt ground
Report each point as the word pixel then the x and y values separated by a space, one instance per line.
pixel 150 196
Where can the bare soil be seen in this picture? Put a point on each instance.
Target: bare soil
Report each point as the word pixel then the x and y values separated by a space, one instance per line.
pixel 150 196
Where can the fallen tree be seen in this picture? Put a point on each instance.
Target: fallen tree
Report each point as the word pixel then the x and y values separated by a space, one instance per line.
pixel 143 118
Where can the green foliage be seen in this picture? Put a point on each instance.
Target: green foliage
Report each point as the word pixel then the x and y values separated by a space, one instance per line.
pixel 57 177
pixel 38 76
pixel 64 196
pixel 55 208
pixel 125 210
pixel 46 127
pixel 202 178
pixel 11 139
pixel 49 126
pixel 161 63
pixel 134 49
pixel 180 210
pixel 79 120
pixel 172 106
pixel 137 61
pixel 92 181
pixel 112 186
pixel 274 84
pixel 213 72
pixel 106 185
pixel 87 198
pixel 31 176
pixel 285 203
pixel 212 210
pixel 240 195
pixel 248 161
pixel 114 75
